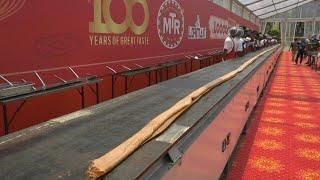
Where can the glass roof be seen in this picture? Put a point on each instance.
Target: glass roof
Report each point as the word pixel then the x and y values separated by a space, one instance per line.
pixel 266 8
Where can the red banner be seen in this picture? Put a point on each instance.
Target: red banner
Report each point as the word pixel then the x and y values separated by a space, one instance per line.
pixel 38 34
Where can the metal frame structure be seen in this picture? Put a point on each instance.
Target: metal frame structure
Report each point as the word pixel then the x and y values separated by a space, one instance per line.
pixel 259 10
pixel 267 8
pixel 284 23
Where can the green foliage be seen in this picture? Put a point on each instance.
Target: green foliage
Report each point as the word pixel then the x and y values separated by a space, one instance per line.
pixel 275 32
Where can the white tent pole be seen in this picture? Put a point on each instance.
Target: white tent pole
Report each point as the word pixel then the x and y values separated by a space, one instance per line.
pixel 289 31
pixel 264 28
pixel 285 32
pixel 314 26
pixel 305 33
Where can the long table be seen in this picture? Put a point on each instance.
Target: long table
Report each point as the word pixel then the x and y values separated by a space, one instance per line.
pixel 64 147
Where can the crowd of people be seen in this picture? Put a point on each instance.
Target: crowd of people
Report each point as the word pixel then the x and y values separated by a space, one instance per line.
pixel 242 40
pixel 305 48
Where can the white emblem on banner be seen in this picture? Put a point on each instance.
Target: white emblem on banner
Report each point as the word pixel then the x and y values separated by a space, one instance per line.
pixel 196 31
pixel 219 27
pixel 170 24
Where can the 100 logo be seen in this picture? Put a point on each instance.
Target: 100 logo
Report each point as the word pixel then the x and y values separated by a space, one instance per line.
pixel 103 22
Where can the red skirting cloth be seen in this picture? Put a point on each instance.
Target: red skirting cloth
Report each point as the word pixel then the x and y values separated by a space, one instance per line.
pixel 283 139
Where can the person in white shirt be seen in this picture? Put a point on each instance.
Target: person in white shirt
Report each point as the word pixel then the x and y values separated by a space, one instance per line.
pixel 262 43
pixel 248 44
pixel 229 44
pixel 239 42
pixel 257 43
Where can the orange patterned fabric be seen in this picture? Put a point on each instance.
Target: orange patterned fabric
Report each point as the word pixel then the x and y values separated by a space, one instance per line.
pixel 283 140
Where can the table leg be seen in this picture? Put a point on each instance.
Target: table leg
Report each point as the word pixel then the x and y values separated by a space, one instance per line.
pixel 97 93
pixel 149 76
pixel 5 119
pixel 82 97
pixel 126 85
pixel 186 67
pixel 112 86
pixel 176 70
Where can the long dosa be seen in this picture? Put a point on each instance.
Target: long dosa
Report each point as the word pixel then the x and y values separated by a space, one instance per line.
pixel 159 124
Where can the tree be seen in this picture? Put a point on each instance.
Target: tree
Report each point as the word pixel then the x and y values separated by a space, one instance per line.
pixel 275 33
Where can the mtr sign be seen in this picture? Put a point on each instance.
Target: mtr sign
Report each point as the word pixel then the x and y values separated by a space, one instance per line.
pixel 170 24
pixel 103 22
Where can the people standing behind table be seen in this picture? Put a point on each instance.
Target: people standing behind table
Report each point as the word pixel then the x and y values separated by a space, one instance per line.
pixel 301 50
pixel 248 44
pixel 274 41
pixel 263 42
pixel 256 44
pixel 242 40
pixel 229 51
pixel 253 43
pixel 313 46
pixel 242 47
pixel 293 48
pixel 244 36
pixel 239 42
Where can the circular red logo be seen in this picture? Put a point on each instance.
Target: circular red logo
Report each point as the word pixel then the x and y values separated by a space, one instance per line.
pixel 170 24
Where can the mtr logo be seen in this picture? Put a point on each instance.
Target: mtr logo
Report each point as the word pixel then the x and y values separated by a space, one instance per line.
pixel 103 22
pixel 170 24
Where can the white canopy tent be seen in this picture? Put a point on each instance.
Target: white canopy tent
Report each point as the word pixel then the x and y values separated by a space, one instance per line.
pixel 295 18
pixel 267 8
